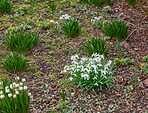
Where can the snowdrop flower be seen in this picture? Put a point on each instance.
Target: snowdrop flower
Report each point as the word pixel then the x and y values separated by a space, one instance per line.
pixel 20 88
pixel 21 83
pixel 29 94
pixel 51 21
pixel 2 96
pixel 14 84
pixel 95 78
pixel 17 85
pixel 1 92
pixel 9 95
pixel 25 87
pixel 6 87
pixel 17 92
pixel 61 18
pixel 23 80
pixel 70 78
pixel 92 20
pixel 56 23
pixel 14 96
pixel 7 90
pixel 96 84
pixel 17 78
pixel 11 86
pixel 1 83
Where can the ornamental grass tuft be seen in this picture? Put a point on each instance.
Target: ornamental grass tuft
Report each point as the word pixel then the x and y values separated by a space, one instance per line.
pixel 116 29
pixel 21 42
pixel 96 45
pixel 15 63
pixel 5 6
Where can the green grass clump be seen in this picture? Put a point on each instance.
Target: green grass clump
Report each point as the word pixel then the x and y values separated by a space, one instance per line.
pixel 96 46
pixel 96 2
pixel 131 2
pixel 21 42
pixel 5 6
pixel 15 63
pixel 71 27
pixel 116 29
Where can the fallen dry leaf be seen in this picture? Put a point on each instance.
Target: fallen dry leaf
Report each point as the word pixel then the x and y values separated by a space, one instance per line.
pixel 1 28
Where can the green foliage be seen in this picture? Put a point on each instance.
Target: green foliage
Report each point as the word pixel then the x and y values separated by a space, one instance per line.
pixel 15 63
pixel 21 42
pixel 96 46
pixel 71 27
pixel 90 73
pixel 123 61
pixel 131 2
pixel 96 2
pixel 52 5
pixel 5 6
pixel 118 47
pixel 116 29
pixel 14 97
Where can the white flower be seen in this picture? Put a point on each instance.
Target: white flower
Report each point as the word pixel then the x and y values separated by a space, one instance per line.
pixel 1 92
pixel 72 94
pixel 16 92
pixel 20 88
pixel 56 23
pixel 6 87
pixel 61 18
pixel 17 78
pixel 29 94
pixel 23 80
pixel 51 21
pixel 25 87
pixel 95 78
pixel 7 90
pixel 11 86
pixel 70 78
pixel 96 84
pixel 92 20
pixel 1 83
pixel 14 96
pixel 14 84
pixel 21 83
pixel 9 95
pixel 2 96
pixel 17 85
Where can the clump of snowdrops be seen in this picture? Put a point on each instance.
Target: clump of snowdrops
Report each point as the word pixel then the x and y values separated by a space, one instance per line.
pixel 14 97
pixel 90 73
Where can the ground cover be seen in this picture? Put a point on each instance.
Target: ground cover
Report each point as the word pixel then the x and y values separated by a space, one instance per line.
pixel 51 90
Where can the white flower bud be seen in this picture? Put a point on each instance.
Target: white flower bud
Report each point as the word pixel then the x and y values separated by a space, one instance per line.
pixel 23 80
pixel 7 90
pixel 20 88
pixel 21 83
pixel 29 94
pixel 14 96
pixel 17 85
pixel 1 92
pixel 9 95
pixel 11 86
pixel 25 87
pixel 2 96
pixel 17 92
pixel 17 78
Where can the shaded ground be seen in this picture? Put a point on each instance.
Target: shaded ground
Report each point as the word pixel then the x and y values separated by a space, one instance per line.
pixel 54 51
